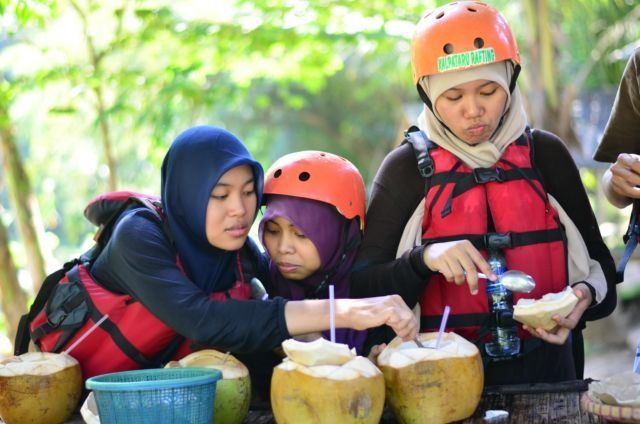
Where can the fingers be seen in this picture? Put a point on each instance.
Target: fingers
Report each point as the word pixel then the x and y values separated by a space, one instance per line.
pixel 557 336
pixel 625 175
pixel 384 310
pixel 403 325
pixel 458 261
pixel 560 333
pixel 401 319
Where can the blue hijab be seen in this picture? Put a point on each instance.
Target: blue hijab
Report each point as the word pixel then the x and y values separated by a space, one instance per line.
pixel 195 162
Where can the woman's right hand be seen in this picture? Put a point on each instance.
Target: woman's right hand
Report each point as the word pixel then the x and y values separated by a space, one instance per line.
pixel 623 179
pixel 459 261
pixel 370 312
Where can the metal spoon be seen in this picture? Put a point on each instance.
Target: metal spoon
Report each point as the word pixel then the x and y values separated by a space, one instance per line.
pixel 516 281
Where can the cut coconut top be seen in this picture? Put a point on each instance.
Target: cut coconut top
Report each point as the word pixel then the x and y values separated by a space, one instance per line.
pixel 618 389
pixel 355 368
pixel 35 363
pixel 228 364
pixel 318 352
pixel 398 355
pixel 549 300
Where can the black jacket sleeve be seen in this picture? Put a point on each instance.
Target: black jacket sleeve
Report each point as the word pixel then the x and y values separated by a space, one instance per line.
pixel 139 260
pixel 562 180
pixel 397 190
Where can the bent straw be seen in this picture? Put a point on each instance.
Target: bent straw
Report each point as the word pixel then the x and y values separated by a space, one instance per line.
pixel 332 318
pixel 85 335
pixel 443 324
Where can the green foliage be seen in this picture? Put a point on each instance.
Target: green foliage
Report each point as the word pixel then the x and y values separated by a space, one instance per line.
pixel 284 75
pixel 26 12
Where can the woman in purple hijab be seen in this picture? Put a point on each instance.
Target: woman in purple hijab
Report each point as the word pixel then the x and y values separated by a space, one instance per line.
pixel 311 228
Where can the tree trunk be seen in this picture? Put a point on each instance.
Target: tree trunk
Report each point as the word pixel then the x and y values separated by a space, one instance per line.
pixel 95 59
pixel 546 109
pixel 13 300
pixel 23 201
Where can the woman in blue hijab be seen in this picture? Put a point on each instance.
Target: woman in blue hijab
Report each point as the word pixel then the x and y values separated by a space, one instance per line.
pixel 190 276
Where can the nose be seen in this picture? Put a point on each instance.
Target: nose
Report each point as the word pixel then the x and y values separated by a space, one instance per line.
pixel 284 243
pixel 237 206
pixel 472 107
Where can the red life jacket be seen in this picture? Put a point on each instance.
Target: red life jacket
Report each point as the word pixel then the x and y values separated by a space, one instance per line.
pixel 71 302
pixel 506 203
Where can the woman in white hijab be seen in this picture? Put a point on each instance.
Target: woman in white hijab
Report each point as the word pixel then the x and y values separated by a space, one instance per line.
pixel 491 185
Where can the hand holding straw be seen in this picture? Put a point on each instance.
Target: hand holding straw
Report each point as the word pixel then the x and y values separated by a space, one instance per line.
pixel 443 324
pixel 85 335
pixel 332 318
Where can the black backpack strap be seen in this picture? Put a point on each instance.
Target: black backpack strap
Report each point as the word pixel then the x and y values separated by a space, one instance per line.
pixel 630 240
pixel 23 336
pixel 421 145
pixel 155 207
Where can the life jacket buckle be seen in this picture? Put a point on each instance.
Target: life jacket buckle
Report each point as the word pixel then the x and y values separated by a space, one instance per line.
pixel 56 318
pixel 498 240
pixel 487 175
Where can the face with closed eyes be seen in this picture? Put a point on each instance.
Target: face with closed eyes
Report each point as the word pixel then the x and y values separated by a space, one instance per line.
pixel 231 209
pixel 472 110
pixel 294 254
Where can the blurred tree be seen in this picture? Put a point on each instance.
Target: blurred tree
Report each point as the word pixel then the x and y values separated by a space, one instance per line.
pixel 128 75
pixel 567 48
pixel 24 204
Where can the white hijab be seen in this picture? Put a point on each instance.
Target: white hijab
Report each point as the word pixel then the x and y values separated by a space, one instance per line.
pixel 484 155
pixel 514 121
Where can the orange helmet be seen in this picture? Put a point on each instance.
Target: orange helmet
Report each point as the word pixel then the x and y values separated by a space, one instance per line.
pixel 319 176
pixel 461 35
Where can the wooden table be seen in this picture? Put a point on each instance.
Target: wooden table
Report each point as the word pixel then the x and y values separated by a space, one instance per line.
pixel 537 403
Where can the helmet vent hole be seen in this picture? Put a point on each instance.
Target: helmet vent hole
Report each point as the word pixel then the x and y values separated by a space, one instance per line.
pixel 322 154
pixel 448 48
pixel 471 9
pixel 277 173
pixel 478 42
pixel 439 15
pixel 304 176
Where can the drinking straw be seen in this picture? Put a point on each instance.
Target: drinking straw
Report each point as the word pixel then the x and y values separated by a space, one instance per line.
pixel 443 324
pixel 332 322
pixel 85 335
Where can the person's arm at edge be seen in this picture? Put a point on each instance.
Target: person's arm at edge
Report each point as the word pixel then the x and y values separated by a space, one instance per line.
pixel 616 199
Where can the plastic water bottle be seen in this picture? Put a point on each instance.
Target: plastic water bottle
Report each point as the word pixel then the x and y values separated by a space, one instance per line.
pixel 504 332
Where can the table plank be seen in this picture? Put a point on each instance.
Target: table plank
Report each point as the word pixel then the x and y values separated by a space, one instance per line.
pixel 563 407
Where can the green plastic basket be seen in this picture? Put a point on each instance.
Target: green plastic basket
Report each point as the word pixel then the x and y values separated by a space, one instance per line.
pixel 168 395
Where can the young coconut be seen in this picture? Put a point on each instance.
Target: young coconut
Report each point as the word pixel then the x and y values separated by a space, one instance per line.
pixel 326 383
pixel 428 385
pixel 538 313
pixel 39 387
pixel 233 392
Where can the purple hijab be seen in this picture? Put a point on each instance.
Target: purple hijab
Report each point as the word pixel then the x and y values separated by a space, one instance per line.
pixel 331 234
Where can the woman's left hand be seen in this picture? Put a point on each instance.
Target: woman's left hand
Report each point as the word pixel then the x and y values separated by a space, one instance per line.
pixel 561 332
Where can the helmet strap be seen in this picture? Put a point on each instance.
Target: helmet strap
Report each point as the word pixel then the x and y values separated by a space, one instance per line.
pixel 514 78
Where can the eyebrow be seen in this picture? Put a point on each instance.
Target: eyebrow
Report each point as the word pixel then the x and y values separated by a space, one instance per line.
pixel 479 87
pixel 223 184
